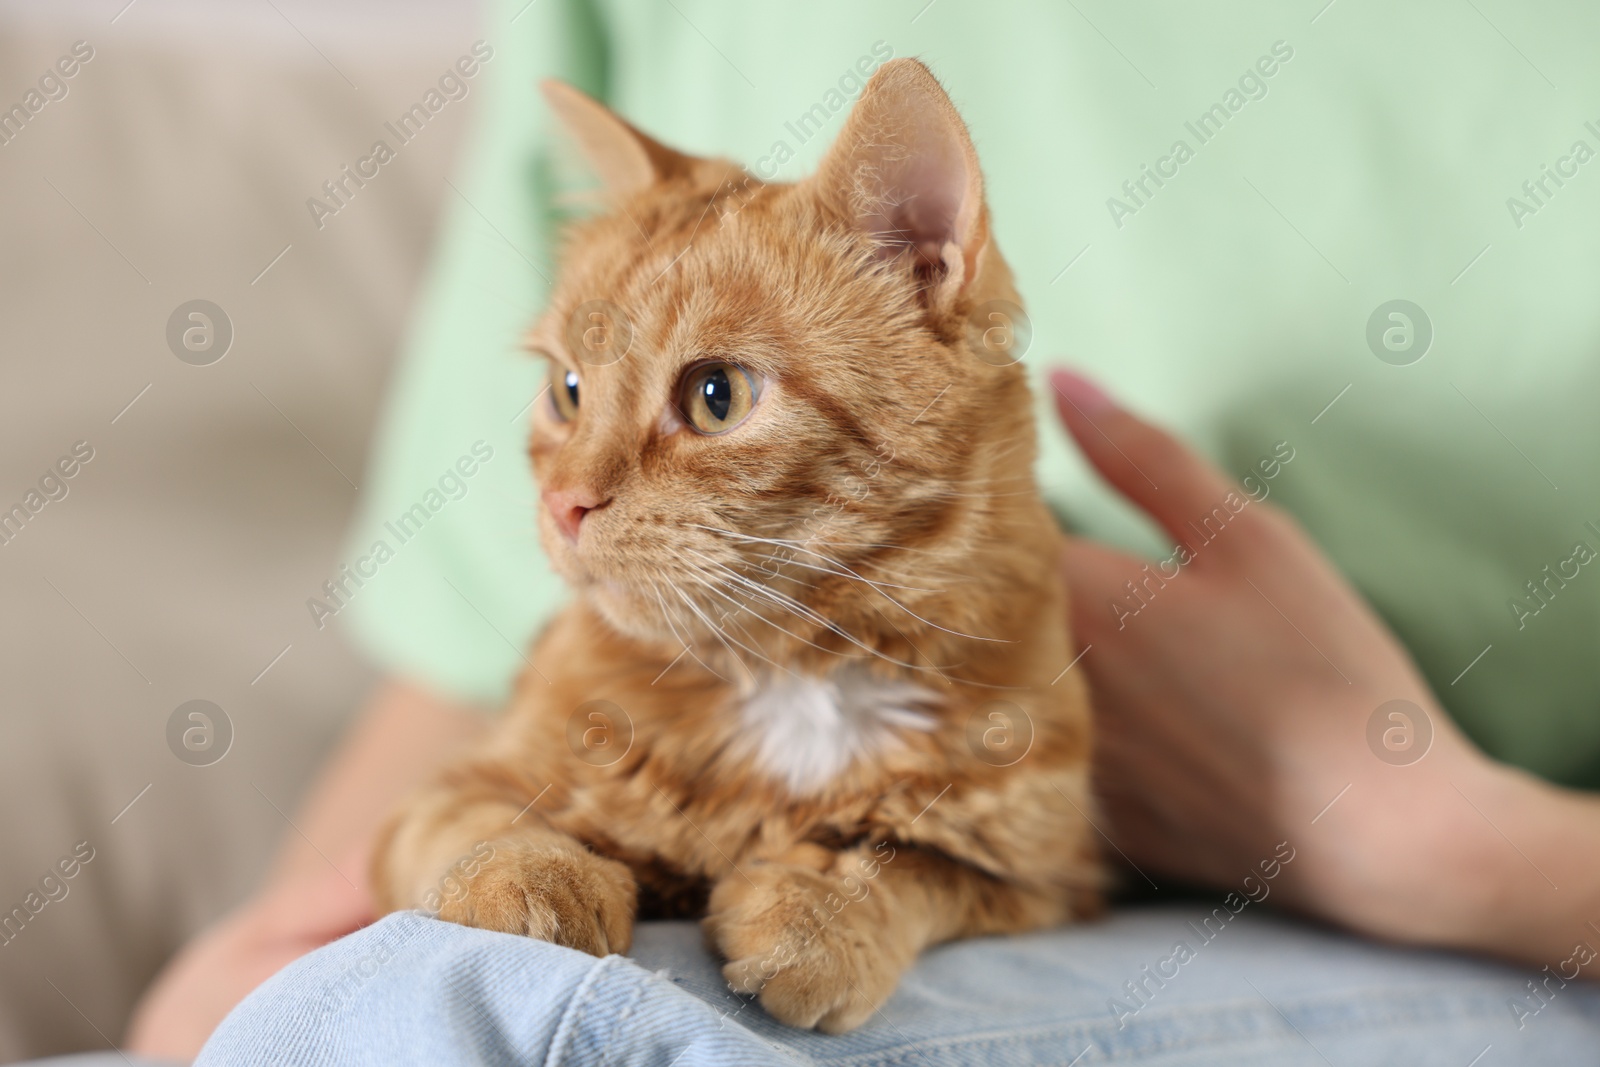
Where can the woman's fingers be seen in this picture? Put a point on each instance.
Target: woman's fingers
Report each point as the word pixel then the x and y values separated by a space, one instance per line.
pixel 1144 463
pixel 1096 574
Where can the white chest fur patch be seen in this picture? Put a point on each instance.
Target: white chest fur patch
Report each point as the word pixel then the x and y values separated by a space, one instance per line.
pixel 807 731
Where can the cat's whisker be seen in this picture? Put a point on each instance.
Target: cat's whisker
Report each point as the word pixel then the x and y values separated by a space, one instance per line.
pixel 883 568
pixel 783 600
pixel 884 544
pixel 668 618
pixel 982 481
pixel 806 614
pixel 730 618
pixel 688 602
pixel 770 622
pixel 843 570
pixel 852 574
pixel 767 592
pixel 719 633
pixel 886 572
pixel 688 643
pixel 711 585
pixel 768 595
pixel 876 564
pixel 946 494
pixel 843 574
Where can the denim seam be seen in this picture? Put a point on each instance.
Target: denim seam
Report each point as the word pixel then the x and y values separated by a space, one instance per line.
pixel 567 1028
pixel 641 979
pixel 1087 1030
pixel 1322 1021
pixel 920 1050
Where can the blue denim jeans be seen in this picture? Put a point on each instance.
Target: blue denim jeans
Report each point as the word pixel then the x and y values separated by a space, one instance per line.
pixel 1259 989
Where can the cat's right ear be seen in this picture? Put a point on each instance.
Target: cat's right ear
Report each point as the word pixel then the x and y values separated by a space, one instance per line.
pixel 626 160
pixel 904 170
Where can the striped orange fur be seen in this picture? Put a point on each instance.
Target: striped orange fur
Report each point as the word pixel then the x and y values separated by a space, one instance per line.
pixel 810 686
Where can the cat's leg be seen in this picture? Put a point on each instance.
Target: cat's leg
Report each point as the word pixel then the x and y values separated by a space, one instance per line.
pixel 823 940
pixel 472 849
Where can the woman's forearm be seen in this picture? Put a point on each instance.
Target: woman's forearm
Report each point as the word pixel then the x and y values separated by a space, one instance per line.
pixel 1537 854
pixel 403 734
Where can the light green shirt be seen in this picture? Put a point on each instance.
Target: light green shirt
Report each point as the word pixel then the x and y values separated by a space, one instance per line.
pixel 1203 209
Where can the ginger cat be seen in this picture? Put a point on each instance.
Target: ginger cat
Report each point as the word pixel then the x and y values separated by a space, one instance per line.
pixel 811 686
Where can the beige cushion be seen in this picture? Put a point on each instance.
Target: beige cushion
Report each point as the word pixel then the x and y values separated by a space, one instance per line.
pixel 179 562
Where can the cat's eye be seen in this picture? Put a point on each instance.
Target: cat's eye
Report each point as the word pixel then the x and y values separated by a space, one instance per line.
pixel 563 391
pixel 716 397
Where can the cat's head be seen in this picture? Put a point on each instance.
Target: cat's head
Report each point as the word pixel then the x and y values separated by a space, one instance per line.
pixel 780 409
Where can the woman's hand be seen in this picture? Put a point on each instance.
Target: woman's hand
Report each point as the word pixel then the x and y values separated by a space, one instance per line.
pixel 220 967
pixel 1235 686
pixel 405 733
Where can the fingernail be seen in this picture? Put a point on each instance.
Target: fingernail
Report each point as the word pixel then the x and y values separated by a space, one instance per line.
pixel 1088 396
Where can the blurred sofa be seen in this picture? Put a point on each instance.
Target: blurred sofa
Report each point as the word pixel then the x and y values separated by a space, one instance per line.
pixel 174 165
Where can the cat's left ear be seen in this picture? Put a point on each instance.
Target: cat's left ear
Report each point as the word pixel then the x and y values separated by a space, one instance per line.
pixel 626 160
pixel 904 169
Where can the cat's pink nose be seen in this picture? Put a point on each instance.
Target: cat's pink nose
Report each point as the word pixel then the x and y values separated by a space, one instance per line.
pixel 569 506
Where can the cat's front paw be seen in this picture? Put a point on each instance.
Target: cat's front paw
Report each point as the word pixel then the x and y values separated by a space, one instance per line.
pixel 560 894
pixel 814 956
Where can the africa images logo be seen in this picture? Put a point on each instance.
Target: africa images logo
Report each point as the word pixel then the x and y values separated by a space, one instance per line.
pixel 453 85
pixel 452 485
pixel 1137 192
